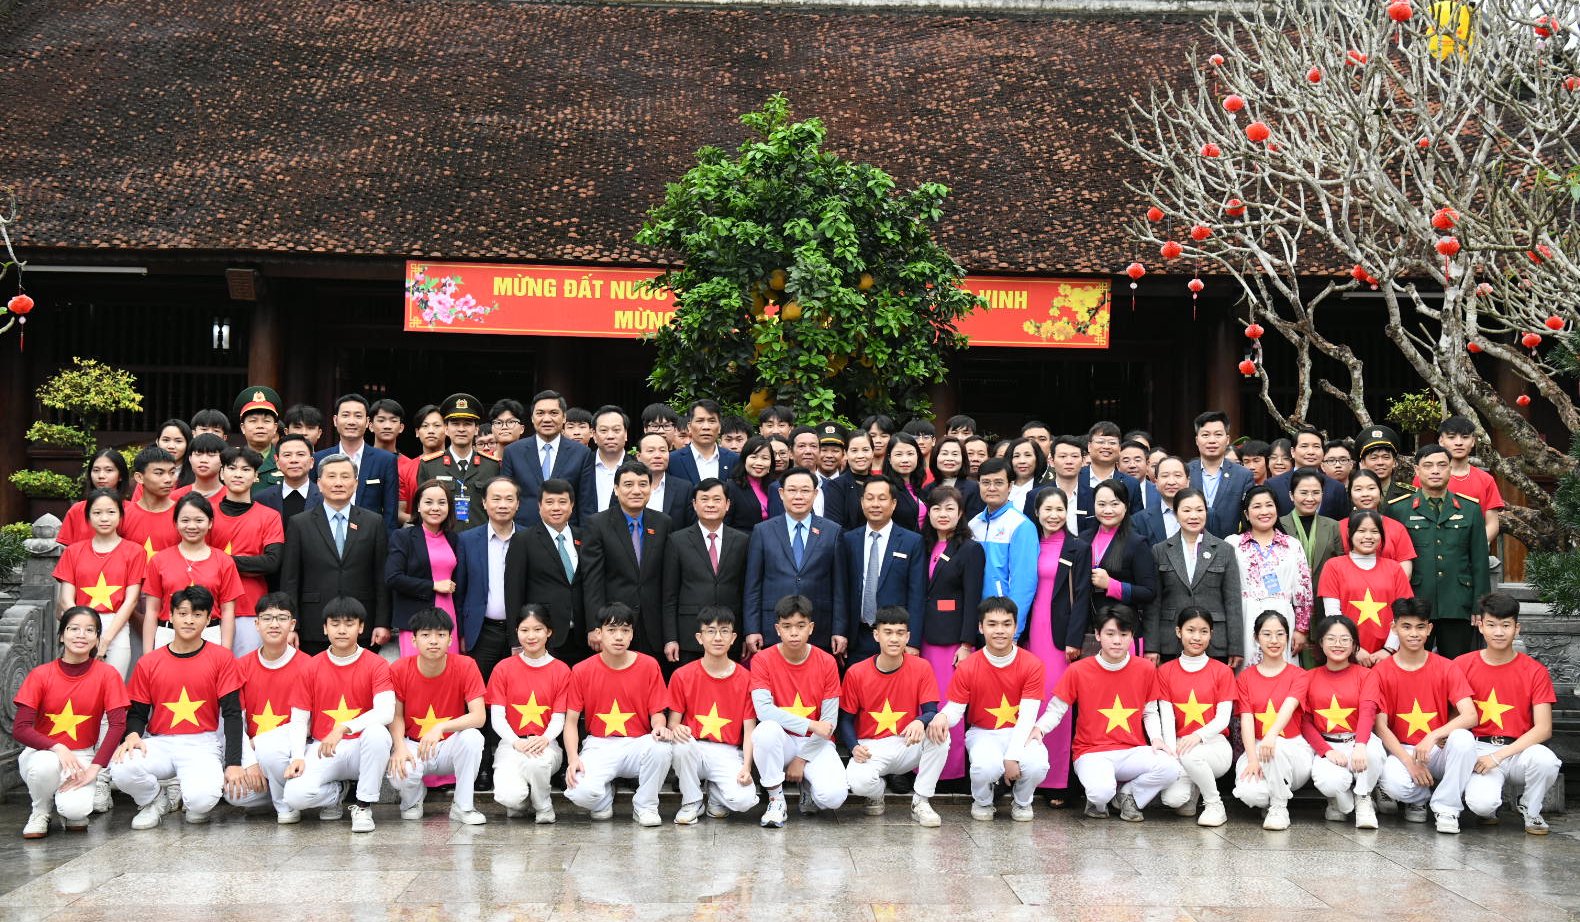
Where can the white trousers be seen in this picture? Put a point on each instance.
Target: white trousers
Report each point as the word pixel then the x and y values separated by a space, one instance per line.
pixel 41 772
pixel 823 777
pixel 246 638
pixel 363 760
pixel 1342 785
pixel 1533 770
pixel 891 756
pixel 1141 770
pixel 271 752
pixel 986 750
pixel 194 759
pixel 1451 764
pixel 518 778
pixel 605 758
pixel 1286 773
pixel 718 766
pixel 459 754
pixel 119 654
pixel 1200 769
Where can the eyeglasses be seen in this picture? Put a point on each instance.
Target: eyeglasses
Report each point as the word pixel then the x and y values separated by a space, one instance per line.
pixel 274 619
pixel 507 423
pixel 716 631
pixel 1337 462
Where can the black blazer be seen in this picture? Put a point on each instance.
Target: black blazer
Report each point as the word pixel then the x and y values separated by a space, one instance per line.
pixel 677 500
pixel 1070 605
pixel 410 574
pixel 905 511
pixel 690 583
pixel 1215 586
pixel 535 573
pixel 744 512
pixel 1128 560
pixel 610 572
pixel 836 499
pixel 953 592
pixel 312 573
pixel 274 497
pixel 968 489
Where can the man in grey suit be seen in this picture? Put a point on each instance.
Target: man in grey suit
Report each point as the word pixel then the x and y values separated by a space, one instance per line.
pixel 705 564
pixel 336 549
pixel 796 553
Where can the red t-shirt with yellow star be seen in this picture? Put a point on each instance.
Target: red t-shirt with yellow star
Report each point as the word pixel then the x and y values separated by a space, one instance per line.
pixel 1263 697
pixel 183 692
pixel 101 579
pixel 802 689
pixel 1416 703
pixel 1366 596
pixel 151 531
pixel 530 695
pixel 617 702
pixel 336 694
pixel 269 692
pixel 712 708
pixel 992 694
pixel 886 703
pixel 1195 696
pixel 71 708
pixel 1397 545
pixel 1108 703
pixel 169 571
pixel 246 535
pixel 1336 704
pixel 76 527
pixel 429 701
pixel 1504 695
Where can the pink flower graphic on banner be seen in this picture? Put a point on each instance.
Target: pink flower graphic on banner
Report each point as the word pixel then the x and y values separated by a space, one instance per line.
pixel 435 301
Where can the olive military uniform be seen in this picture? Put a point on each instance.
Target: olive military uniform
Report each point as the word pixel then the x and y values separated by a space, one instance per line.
pixel 1450 572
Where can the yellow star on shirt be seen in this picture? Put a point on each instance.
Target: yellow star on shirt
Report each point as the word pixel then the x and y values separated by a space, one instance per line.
pixel 424 724
pixel 803 711
pixel 887 719
pixel 1267 717
pixel 1118 715
pixel 99 595
pixel 531 713
pixel 1005 713
pixel 1338 718
pixel 227 547
pixel 614 719
pixel 342 714
pixel 266 720
pixel 148 547
pixel 1418 721
pixel 184 709
pixel 712 724
pixel 1192 711
pixel 66 721
pixel 1368 608
pixel 1492 710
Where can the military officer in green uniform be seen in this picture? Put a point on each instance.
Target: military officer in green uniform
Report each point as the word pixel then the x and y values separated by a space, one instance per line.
pixel 257 413
pixel 462 469
pixel 1377 450
pixel 1450 538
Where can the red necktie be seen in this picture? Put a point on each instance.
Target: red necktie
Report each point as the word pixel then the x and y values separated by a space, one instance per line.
pixel 713 550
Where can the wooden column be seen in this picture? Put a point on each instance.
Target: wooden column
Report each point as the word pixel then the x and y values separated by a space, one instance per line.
pixel 265 360
pixel 1224 390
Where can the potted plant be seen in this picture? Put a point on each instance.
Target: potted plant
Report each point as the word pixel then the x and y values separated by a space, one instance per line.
pixel 84 394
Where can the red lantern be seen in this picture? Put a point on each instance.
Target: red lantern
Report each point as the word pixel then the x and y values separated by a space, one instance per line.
pixel 1233 103
pixel 1444 219
pixel 1572 84
pixel 1254 331
pixel 1531 341
pixel 1484 289
pixel 1472 348
pixel 1523 400
pixel 1359 273
pixel 1424 144
pixel 1135 271
pixel 1247 368
pixel 1314 75
pixel 1546 26
pixel 1400 11
pixel 1200 232
pixel 1258 132
pixel 1154 214
pixel 1171 250
pixel 1355 58
pixel 1234 208
pixel 1554 323
pixel 21 305
pixel 1211 150
pixel 1196 285
pixel 1448 246
pixel 1216 60
pixel 1541 254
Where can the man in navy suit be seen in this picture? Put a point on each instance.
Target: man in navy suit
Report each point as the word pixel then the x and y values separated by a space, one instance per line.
pixel 296 491
pixel 485 570
pixel 704 457
pixel 1102 448
pixel 548 454
pixel 796 553
pixel 884 566
pixel 1307 453
pixel 378 477
pixel 1223 482
pixel 670 495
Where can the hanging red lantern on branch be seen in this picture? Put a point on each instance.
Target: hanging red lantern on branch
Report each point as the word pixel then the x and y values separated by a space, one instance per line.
pixel 1254 331
pixel 1248 368
pixel 1541 254
pixel 1355 58
pixel 20 305
pixel 1473 347
pixel 1524 400
pixel 1135 271
pixel 1444 219
pixel 1554 322
pixel 1531 341
pixel 1448 248
pixel 1216 60
pixel 1171 250
pixel 1154 214
pixel 1314 75
pixel 1200 232
pixel 1546 26
pixel 1400 11
pixel 1258 132
pixel 1234 208
pixel 1211 150
pixel 1233 103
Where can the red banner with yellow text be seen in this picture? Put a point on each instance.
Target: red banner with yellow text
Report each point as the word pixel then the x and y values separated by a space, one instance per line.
pixel 527 300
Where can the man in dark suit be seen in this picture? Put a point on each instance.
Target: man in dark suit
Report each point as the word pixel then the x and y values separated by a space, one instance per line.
pixel 671 495
pixel 1102 448
pixel 296 491
pixel 545 566
pixel 1307 453
pixel 796 553
pixel 460 467
pixel 1222 481
pixel 482 580
pixel 704 565
pixel 884 566
pixel 704 457
pixel 623 557
pixel 548 454
pixel 336 549
pixel 378 477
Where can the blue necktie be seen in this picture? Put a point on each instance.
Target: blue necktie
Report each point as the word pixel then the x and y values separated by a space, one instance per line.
pixel 798 546
pixel 565 559
pixel 548 460
pixel 636 538
pixel 340 533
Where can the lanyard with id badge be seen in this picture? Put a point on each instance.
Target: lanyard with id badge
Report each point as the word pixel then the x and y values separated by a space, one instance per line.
pixel 1270 583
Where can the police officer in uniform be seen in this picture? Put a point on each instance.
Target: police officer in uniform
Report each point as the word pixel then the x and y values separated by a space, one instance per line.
pixel 1450 538
pixel 257 414
pixel 1377 450
pixel 460 466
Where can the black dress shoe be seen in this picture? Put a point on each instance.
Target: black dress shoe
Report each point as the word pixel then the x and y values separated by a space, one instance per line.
pixel 485 782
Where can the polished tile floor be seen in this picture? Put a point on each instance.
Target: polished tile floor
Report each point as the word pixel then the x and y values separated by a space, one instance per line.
pixel 849 868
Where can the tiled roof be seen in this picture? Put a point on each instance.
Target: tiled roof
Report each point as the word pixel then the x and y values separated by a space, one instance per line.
pixel 544 132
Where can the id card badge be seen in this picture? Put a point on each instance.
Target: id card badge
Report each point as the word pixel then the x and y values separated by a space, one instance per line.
pixel 1270 583
pixel 463 506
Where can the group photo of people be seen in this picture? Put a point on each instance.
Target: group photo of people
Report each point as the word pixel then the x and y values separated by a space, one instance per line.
pixel 272 607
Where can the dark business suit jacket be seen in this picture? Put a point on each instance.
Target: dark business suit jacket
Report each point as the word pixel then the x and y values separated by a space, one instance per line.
pixel 1086 494
pixel 771 574
pixel 837 506
pixel 906 508
pixel 690 583
pixel 535 573
pixel 312 572
pixel 684 466
pixel 1129 560
pixel 613 574
pixel 524 465
pixel 1070 605
pixel 745 513
pixel 953 593
pixel 378 482
pixel 471 584
pixel 1223 516
pixel 1335 497
pixel 677 501
pixel 902 577
pixel 409 573
pixel 1215 586
pixel 274 497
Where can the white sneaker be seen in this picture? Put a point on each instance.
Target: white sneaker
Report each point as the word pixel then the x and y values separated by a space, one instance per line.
pixel 1213 814
pixel 1365 812
pixel 1128 811
pixel 1415 813
pixel 924 814
pixel 361 818
pixel 718 811
pixel 1096 811
pixel 1188 808
pixel 1534 824
pixel 288 817
pixel 876 805
pixel 1334 813
pixel 607 813
pixel 515 813
pixel 412 813
pixel 196 819
pixel 983 812
pixel 774 816
pixel 101 795
pixel 1021 814
pixel 149 816
pixel 1277 818
pixel 1448 824
pixel 467 817
pixel 37 825
pixel 648 818
pixel 173 796
pixel 688 814
pixel 545 817
pixel 336 810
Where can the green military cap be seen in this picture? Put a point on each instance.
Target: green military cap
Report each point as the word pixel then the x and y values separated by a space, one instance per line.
pixel 461 406
pixel 257 397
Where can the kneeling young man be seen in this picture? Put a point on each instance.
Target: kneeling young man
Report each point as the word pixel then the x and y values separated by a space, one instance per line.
pixel 1110 692
pixel 885 704
pixel 622 693
pixel 791 681
pixel 347 704
pixel 1514 698
pixel 438 716
pixel 1424 716
pixel 185 719
pixel 526 707
pixel 998 691
pixel 711 715
pixel 272 677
